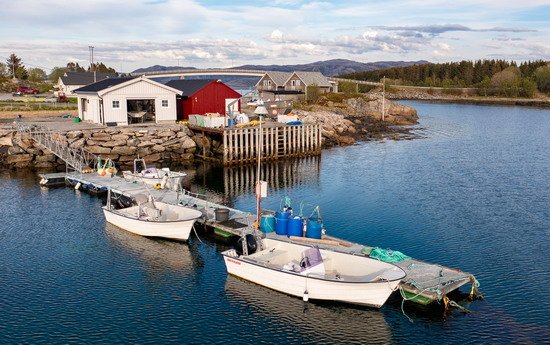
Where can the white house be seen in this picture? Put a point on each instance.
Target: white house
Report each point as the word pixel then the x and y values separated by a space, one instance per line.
pixel 127 100
pixel 71 81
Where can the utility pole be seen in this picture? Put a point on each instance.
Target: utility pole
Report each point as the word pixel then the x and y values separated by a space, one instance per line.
pixel 383 97
pixel 92 68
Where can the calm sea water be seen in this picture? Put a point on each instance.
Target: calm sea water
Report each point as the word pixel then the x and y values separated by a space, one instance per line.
pixel 472 194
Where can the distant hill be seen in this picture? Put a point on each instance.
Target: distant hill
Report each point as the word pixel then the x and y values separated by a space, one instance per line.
pixel 158 68
pixel 335 67
pixel 328 68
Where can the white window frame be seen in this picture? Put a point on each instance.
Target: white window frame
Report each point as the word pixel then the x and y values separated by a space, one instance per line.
pixel 164 103
pixel 116 104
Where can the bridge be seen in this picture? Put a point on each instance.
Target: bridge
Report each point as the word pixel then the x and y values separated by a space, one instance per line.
pixel 229 71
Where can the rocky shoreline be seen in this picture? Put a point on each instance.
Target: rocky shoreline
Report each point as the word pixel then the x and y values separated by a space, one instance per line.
pixel 418 95
pixel 343 123
pixel 360 119
pixel 166 144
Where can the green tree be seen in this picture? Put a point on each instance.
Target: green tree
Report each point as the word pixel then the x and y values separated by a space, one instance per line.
pixel 56 73
pixel 528 87
pixel 100 67
pixel 347 87
pixel 542 77
pixel 484 86
pixel 507 81
pixel 3 71
pixel 21 73
pixel 74 67
pixel 37 74
pixel 313 93
pixel 15 67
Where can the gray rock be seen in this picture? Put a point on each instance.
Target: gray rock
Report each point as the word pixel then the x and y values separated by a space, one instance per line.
pixel 158 148
pixel 98 149
pixel 18 158
pixel 124 150
pixel 78 143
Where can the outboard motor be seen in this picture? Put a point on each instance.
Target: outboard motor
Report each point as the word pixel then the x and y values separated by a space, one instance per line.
pixel 251 245
pixel 139 166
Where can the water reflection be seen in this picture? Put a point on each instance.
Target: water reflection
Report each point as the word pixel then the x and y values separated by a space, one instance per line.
pixel 316 322
pixel 157 255
pixel 224 184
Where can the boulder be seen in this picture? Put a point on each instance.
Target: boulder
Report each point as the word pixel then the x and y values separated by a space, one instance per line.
pixel 101 137
pixel 113 143
pixel 48 157
pixel 146 144
pixel 44 165
pixel 120 137
pixel 187 143
pixel 166 134
pixel 346 140
pixel 19 158
pixel 124 150
pixel 78 143
pixel 155 157
pixel 6 141
pixel 158 148
pixel 98 150
pixel 132 142
pixel 187 157
pixel 74 134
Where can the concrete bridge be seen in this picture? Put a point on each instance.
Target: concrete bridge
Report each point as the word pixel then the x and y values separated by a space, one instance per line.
pixel 182 73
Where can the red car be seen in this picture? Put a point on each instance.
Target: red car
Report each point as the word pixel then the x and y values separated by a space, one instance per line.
pixel 21 90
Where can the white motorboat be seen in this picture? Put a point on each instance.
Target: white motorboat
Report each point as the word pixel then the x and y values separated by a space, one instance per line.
pixel 154 219
pixel 151 176
pixel 309 272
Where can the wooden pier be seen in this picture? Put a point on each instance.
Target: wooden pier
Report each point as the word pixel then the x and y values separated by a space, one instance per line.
pixel 276 140
pixel 424 283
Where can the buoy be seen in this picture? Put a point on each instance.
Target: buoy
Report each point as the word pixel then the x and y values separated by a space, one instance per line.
pixel 306 296
pixel 77 186
pixel 43 181
pixel 164 181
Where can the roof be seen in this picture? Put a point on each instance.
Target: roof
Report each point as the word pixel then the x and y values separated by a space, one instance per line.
pixel 311 78
pixel 189 86
pixel 279 78
pixel 84 78
pixel 102 84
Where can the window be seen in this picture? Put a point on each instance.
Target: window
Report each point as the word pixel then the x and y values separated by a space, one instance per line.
pixel 116 104
pixel 165 103
pixel 267 82
pixel 295 82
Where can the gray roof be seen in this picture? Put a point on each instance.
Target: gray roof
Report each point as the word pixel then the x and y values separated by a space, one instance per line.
pixel 310 78
pixel 84 78
pixel 279 78
pixel 189 86
pixel 102 84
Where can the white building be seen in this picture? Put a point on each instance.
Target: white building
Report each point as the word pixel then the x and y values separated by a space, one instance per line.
pixel 71 81
pixel 127 100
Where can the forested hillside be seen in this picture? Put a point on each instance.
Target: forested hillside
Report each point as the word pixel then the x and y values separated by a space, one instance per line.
pixel 501 77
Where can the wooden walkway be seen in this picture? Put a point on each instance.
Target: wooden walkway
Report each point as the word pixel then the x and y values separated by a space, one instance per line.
pixel 425 282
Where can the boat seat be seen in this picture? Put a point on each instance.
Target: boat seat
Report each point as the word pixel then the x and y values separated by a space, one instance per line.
pixel 312 262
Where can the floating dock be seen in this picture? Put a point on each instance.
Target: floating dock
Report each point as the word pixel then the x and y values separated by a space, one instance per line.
pixel 424 283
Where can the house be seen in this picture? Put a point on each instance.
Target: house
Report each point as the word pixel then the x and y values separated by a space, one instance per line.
pixel 71 81
pixel 291 85
pixel 201 96
pixel 120 101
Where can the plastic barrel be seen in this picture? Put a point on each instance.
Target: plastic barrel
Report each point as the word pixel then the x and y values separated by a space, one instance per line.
pixel 295 227
pixel 267 223
pixel 281 226
pixel 282 215
pixel 314 229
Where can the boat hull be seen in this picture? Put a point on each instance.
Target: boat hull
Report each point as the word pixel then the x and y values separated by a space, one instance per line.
pixel 372 294
pixel 175 230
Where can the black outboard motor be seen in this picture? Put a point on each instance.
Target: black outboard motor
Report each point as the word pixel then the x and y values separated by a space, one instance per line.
pixel 251 245
pixel 139 166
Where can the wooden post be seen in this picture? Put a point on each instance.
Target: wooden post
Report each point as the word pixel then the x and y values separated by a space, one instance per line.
pixel 225 148
pixel 241 145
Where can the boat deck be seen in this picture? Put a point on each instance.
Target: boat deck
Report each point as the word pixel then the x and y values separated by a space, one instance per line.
pixel 425 282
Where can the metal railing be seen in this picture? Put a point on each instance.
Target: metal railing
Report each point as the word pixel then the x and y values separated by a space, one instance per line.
pixel 75 158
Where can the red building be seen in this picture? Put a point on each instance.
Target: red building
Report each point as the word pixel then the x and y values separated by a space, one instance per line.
pixel 201 96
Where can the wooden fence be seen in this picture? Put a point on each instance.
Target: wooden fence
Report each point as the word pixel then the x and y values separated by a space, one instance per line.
pixel 240 145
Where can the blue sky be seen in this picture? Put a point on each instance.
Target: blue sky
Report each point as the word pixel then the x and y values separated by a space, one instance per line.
pixel 140 33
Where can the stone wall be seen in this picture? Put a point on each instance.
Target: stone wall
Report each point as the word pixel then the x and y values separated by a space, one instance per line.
pixel 161 145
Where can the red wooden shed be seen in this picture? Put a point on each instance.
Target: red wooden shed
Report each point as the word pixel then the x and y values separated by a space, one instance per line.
pixel 201 96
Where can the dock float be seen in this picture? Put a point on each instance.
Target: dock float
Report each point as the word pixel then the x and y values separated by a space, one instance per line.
pixel 425 282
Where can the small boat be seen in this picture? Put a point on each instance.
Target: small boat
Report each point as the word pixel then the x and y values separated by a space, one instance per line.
pixel 151 176
pixel 309 272
pixel 152 218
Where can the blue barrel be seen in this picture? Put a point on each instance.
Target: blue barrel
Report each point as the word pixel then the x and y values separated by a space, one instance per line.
pixel 281 226
pixel 296 227
pixel 314 229
pixel 282 215
pixel 267 223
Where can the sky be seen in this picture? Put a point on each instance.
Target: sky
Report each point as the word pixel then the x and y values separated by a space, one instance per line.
pixel 132 34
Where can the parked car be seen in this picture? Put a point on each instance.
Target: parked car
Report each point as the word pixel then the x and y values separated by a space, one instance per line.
pixel 25 90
